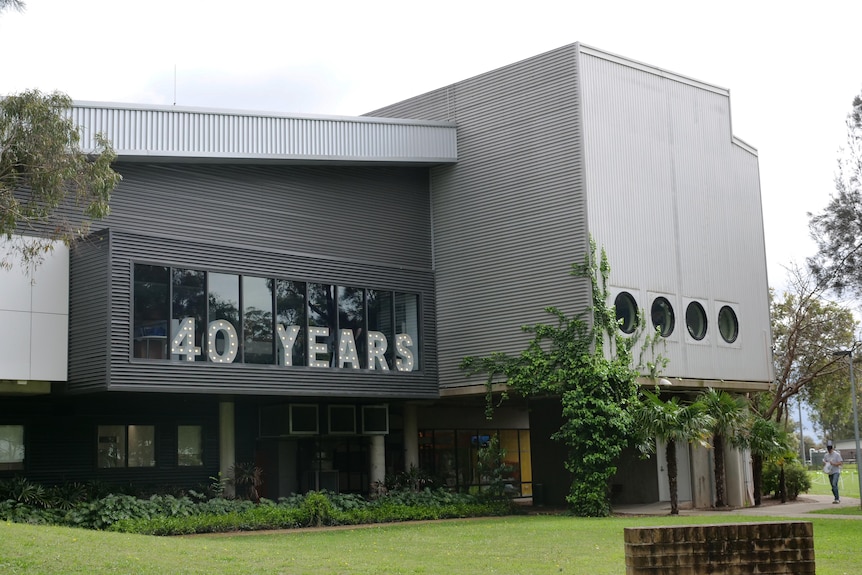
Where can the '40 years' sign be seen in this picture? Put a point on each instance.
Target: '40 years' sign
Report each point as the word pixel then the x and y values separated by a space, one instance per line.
pixel 183 345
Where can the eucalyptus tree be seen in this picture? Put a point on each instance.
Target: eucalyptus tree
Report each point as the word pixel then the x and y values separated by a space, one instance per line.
pixel 838 229
pixel 671 422
pixel 729 414
pixel 50 188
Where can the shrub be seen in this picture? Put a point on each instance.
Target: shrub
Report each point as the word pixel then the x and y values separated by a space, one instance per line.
pixel 795 476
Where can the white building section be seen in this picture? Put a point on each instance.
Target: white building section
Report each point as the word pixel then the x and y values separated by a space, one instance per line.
pixel 34 321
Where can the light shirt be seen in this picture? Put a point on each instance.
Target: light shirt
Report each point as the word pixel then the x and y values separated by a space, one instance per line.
pixel 832 462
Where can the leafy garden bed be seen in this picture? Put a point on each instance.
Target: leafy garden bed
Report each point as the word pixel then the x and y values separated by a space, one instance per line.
pixel 195 513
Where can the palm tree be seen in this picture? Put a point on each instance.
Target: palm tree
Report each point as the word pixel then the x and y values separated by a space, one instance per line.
pixel 767 442
pixel 729 414
pixel 670 422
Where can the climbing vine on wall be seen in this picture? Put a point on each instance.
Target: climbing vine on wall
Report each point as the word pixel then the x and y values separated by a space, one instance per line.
pixel 587 363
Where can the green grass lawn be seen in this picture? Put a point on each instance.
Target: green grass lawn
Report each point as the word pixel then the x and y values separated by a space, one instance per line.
pixel 848 484
pixel 512 545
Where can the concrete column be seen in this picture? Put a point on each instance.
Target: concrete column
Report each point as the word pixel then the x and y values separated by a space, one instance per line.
pixel 227 441
pixel 377 456
pixel 411 437
pixel 734 476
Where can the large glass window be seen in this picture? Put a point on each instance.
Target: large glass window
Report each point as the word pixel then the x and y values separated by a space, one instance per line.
pixel 189 445
pixel 223 300
pixel 11 447
pixel 257 325
pixel 407 331
pixel 291 313
pixel 351 326
pixel 151 294
pixel 193 315
pixel 453 457
pixel 189 301
pixel 381 321
pixel 322 324
pixel 126 446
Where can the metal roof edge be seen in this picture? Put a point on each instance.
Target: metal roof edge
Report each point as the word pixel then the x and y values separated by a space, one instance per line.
pixel 649 68
pixel 256 113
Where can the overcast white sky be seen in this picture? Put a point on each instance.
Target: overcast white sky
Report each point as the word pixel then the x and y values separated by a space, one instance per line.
pixel 792 67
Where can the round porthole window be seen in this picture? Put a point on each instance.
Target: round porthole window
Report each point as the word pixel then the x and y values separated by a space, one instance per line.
pixel 663 320
pixel 695 320
pixel 627 312
pixel 728 325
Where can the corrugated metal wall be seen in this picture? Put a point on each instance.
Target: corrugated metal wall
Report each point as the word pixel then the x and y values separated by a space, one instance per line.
pixel 232 136
pixel 315 224
pixel 676 204
pixel 509 218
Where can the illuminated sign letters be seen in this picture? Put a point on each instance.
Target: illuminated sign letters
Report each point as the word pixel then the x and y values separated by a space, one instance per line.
pixel 222 346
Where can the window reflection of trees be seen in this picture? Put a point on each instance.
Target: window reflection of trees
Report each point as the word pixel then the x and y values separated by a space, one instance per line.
pixel 351 315
pixel 189 300
pixel 322 312
pixel 223 301
pixel 291 310
pixel 254 305
pixel 151 293
pixel 257 324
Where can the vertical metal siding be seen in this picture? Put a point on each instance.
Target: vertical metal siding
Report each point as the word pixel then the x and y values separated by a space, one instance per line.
pixel 676 204
pixel 509 218
pixel 197 133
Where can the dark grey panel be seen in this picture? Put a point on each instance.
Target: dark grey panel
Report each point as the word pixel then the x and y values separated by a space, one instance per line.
pixel 89 313
pixel 510 218
pixel 142 375
pixel 375 215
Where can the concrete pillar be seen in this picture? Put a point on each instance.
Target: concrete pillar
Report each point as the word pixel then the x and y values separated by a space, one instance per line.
pixel 377 456
pixel 734 476
pixel 411 437
pixel 227 441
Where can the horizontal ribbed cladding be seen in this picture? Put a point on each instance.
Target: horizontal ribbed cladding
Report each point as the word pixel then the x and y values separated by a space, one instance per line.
pixel 89 289
pixel 178 377
pixel 510 217
pixel 375 215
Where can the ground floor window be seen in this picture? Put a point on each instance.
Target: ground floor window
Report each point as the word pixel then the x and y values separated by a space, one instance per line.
pixel 126 446
pixel 190 446
pixel 11 447
pixel 453 456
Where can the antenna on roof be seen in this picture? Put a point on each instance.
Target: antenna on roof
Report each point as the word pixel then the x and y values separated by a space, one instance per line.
pixel 175 84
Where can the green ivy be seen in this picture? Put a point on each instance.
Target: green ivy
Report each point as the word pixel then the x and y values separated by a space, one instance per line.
pixel 568 359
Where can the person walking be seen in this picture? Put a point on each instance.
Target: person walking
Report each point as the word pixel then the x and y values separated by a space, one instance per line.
pixel 832 463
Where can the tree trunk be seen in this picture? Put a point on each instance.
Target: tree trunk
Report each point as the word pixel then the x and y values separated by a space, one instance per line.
pixel 782 484
pixel 670 453
pixel 718 456
pixel 757 471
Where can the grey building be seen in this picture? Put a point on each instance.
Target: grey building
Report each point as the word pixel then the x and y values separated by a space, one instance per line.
pixel 298 291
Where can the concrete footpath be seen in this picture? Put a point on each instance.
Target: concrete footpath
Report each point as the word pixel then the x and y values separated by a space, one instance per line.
pixel 801 508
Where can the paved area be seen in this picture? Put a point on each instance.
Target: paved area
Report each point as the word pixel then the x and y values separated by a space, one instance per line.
pixel 800 508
